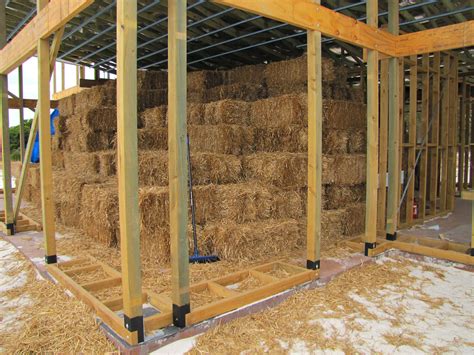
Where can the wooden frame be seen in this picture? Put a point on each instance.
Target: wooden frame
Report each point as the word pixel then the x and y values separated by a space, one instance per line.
pixel 469 195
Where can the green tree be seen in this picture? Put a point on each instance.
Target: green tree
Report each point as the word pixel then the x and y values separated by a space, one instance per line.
pixel 15 139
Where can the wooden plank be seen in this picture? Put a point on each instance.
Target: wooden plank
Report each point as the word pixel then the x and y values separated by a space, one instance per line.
pixel 54 15
pixel 160 301
pixel 22 113
pixel 127 167
pixel 33 130
pixel 262 277
pixel 101 284
pixel 444 38
pixel 452 134
pixel 400 135
pixel 5 131
pixel 463 120
pixel 178 188
pixel 372 132
pixel 116 303
pixel 413 106
pixel 17 103
pixel 107 316
pixel 434 252
pixel 220 290
pixel 383 145
pixel 231 303
pixel 158 321
pixel 445 90
pixel 394 127
pixel 434 160
pixel 315 119
pixel 82 269
pixel 68 92
pixel 46 165
pixel 425 95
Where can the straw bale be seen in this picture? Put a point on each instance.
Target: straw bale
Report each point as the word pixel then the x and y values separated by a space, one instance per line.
pixel 95 97
pixel 349 169
pixel 81 163
pixel 332 225
pixel 238 91
pixel 66 105
pixel 204 79
pixel 288 88
pixel 339 114
pixel 337 196
pixel 197 96
pixel 151 80
pixel 102 119
pixel 354 219
pixel 285 170
pixel 227 112
pixel 335 141
pixel 154 208
pixel 249 241
pixel 155 117
pixel 357 141
pixel 279 111
pixel 224 139
pixel 153 139
pixel 254 74
pixel 99 212
pixel 153 168
pixel 60 124
pixel 289 138
pixel 107 165
pixel 81 139
pixel 152 98
pixel 57 157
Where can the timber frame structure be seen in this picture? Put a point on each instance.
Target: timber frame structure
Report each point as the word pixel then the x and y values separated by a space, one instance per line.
pixel 397 139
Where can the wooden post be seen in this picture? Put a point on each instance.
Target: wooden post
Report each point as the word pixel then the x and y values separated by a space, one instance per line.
pixel 63 77
pixel 315 126
pixel 452 134
pixel 34 129
pixel 463 120
pixel 127 170
pixel 47 202
pixel 425 94
pixel 177 99
pixel 434 160
pixel 82 73
pixel 22 113
pixel 5 133
pixel 370 236
pixel 394 129
pixel 54 79
pixel 445 93
pixel 78 75
pixel 383 136
pixel 413 106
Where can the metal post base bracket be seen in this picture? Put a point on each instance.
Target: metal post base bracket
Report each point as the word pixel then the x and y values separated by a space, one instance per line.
pixel 313 265
pixel 135 324
pixel 369 246
pixel 391 237
pixel 179 314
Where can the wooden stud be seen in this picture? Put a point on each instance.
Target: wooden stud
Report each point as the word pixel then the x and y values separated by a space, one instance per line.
pixel 22 112
pixel 220 291
pixel 413 107
pixel 315 125
pixel 33 130
pixel 425 94
pixel 178 184
pixel 54 79
pixel 469 195
pixel 394 127
pixel 46 166
pixel 434 160
pixel 101 284
pixel 445 89
pixel 383 146
pixel 5 132
pixel 63 76
pixel 452 134
pixel 127 167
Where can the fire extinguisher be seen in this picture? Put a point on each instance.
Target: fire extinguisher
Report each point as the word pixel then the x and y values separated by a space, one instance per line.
pixel 415 209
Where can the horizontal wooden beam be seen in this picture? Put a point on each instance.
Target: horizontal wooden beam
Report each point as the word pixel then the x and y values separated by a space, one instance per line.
pixel 308 15
pixel 439 39
pixel 15 103
pixel 50 19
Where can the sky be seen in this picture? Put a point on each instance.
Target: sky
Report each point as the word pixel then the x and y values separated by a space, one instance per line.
pixel 30 84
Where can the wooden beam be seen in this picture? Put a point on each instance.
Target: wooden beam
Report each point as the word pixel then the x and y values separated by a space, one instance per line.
pixel 445 98
pixel 434 161
pixel 127 169
pixel 22 112
pixel 413 107
pixel 315 126
pixel 444 38
pixel 54 15
pixel 469 195
pixel 5 132
pixel 33 130
pixel 370 236
pixel 425 95
pixel 18 103
pixel 46 166
pixel 178 183
pixel 63 76
pixel 308 15
pixel 394 128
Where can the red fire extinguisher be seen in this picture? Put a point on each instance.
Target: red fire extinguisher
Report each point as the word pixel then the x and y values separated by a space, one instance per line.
pixel 415 209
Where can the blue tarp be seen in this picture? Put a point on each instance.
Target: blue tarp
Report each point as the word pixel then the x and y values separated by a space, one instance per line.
pixel 35 155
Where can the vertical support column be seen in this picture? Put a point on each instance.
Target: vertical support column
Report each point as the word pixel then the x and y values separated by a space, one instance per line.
pixel 315 126
pixel 22 113
pixel 47 202
pixel 394 129
pixel 82 73
pixel 178 186
pixel 5 132
pixel 411 147
pixel 471 140
pixel 63 77
pixel 472 229
pixel 463 121
pixel 383 129
pixel 127 169
pixel 425 126
pixel 445 90
pixel 54 79
pixel 453 130
pixel 434 161
pixel 370 236
pixel 78 75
